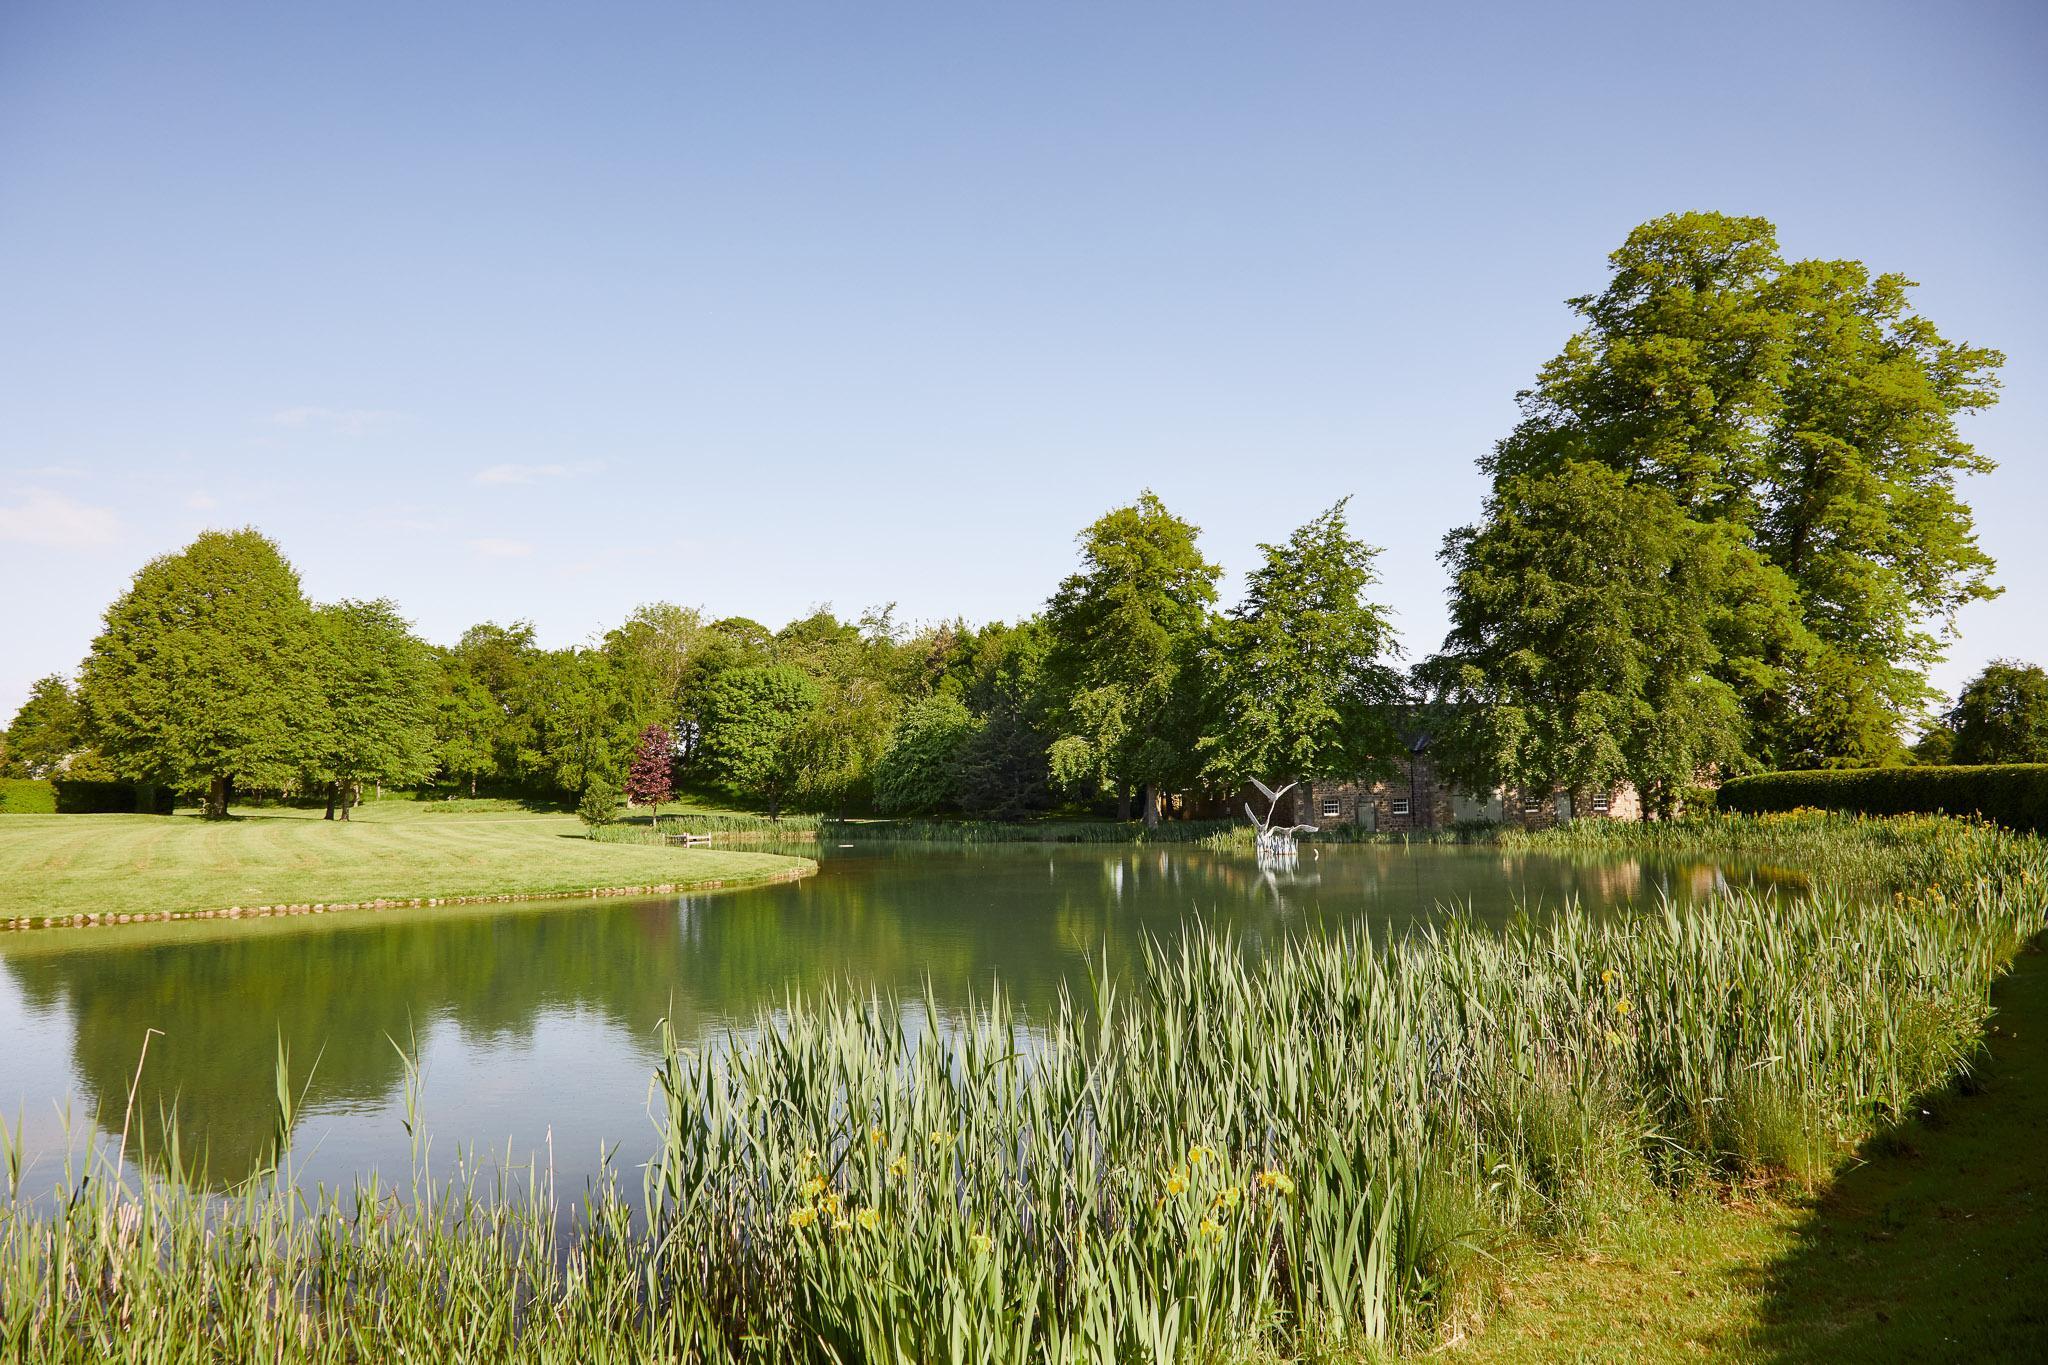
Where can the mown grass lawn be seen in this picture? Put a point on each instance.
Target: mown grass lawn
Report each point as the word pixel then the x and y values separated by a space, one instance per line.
pixel 1931 1245
pixel 54 865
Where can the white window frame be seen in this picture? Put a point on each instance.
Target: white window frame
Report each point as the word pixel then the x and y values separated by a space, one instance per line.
pixel 1330 808
pixel 1398 805
pixel 1601 804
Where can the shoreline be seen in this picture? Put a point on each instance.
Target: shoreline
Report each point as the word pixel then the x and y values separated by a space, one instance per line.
pixel 25 923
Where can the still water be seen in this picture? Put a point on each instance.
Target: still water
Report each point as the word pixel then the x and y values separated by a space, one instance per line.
pixel 537 1024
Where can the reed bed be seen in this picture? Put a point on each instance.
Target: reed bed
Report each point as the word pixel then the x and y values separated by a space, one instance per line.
pixel 1287 1154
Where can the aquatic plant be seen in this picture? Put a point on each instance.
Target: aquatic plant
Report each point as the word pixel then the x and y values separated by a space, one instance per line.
pixel 1290 1151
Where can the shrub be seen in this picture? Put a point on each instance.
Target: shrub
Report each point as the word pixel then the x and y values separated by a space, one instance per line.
pixel 95 796
pixel 599 805
pixel 27 796
pixel 2012 794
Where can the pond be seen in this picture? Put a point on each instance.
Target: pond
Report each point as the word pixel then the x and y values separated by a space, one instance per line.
pixel 537 1024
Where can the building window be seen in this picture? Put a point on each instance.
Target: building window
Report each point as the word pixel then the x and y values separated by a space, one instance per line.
pixel 1329 808
pixel 1532 805
pixel 1400 806
pixel 1600 804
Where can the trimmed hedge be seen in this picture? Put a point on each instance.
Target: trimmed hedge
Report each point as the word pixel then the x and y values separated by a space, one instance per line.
pixel 27 796
pixel 2012 794
pixel 89 796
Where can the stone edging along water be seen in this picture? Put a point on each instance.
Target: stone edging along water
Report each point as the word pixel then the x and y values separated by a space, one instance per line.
pixel 93 921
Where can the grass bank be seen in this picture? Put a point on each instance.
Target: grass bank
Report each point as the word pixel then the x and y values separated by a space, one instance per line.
pixel 1321 1153
pixel 1930 1243
pixel 56 867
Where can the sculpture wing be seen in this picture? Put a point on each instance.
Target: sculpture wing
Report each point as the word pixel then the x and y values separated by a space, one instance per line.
pixel 1265 791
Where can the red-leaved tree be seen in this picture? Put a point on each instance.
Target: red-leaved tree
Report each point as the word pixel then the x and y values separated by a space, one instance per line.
pixel 651 778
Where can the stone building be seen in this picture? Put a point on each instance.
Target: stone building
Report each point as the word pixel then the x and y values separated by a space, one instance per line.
pixel 1415 798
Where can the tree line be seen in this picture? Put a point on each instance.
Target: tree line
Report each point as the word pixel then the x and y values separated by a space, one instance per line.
pixel 1726 534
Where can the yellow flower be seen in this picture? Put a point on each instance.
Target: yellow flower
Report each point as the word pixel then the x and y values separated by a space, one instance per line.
pixel 829 1202
pixel 1276 1181
pixel 875 1136
pixel 808 1159
pixel 1613 1038
pixel 814 1187
pixel 1227 1197
pixel 869 1219
pixel 1607 977
pixel 980 1243
pixel 1176 1183
pixel 941 1138
pixel 1621 1007
pixel 1212 1229
pixel 1197 1154
pixel 900 1167
pixel 803 1218
pixel 841 1225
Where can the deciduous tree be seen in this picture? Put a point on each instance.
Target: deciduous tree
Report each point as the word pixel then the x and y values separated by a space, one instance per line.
pixel 1808 406
pixel 1583 648
pixel 752 717
pixel 205 673
pixel 47 730
pixel 1303 686
pixel 1126 631
pixel 651 778
pixel 378 702
pixel 2001 715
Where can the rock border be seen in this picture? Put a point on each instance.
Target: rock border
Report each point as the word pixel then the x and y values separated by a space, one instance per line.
pixel 98 921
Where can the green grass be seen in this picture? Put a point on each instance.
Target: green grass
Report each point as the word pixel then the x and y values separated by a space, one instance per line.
pixel 66 865
pixel 1930 1244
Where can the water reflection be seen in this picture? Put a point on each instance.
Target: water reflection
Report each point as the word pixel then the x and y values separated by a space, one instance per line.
pixel 538 1021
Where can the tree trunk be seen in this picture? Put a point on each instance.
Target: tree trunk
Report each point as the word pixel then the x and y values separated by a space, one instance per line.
pixel 1152 795
pixel 217 799
pixel 350 793
pixel 331 787
pixel 472 784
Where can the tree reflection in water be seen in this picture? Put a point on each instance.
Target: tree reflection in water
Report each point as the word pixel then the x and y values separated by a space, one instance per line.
pixel 539 1016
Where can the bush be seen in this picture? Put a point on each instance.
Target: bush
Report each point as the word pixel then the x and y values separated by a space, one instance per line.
pixel 599 805
pixel 94 796
pixel 2012 794
pixel 27 796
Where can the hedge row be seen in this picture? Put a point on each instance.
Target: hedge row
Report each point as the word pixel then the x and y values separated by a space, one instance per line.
pixel 27 796
pixel 2013 794
pixel 80 796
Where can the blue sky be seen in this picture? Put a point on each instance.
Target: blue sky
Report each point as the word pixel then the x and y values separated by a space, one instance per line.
pixel 507 311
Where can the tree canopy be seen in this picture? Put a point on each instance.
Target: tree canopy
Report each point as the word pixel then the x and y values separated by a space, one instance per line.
pixel 1126 632
pixel 206 671
pixel 47 730
pixel 1808 415
pixel 1303 684
pixel 1585 610
pixel 377 715
pixel 2001 715
pixel 752 719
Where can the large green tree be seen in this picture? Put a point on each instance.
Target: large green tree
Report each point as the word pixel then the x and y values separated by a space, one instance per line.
pixel 920 770
pixel 1126 633
pixel 47 730
pixel 378 683
pixel 1806 405
pixel 206 672
pixel 753 728
pixel 2001 715
pixel 1583 651
pixel 1303 686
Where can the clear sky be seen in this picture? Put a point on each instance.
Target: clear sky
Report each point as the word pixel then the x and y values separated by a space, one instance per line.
pixel 512 311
